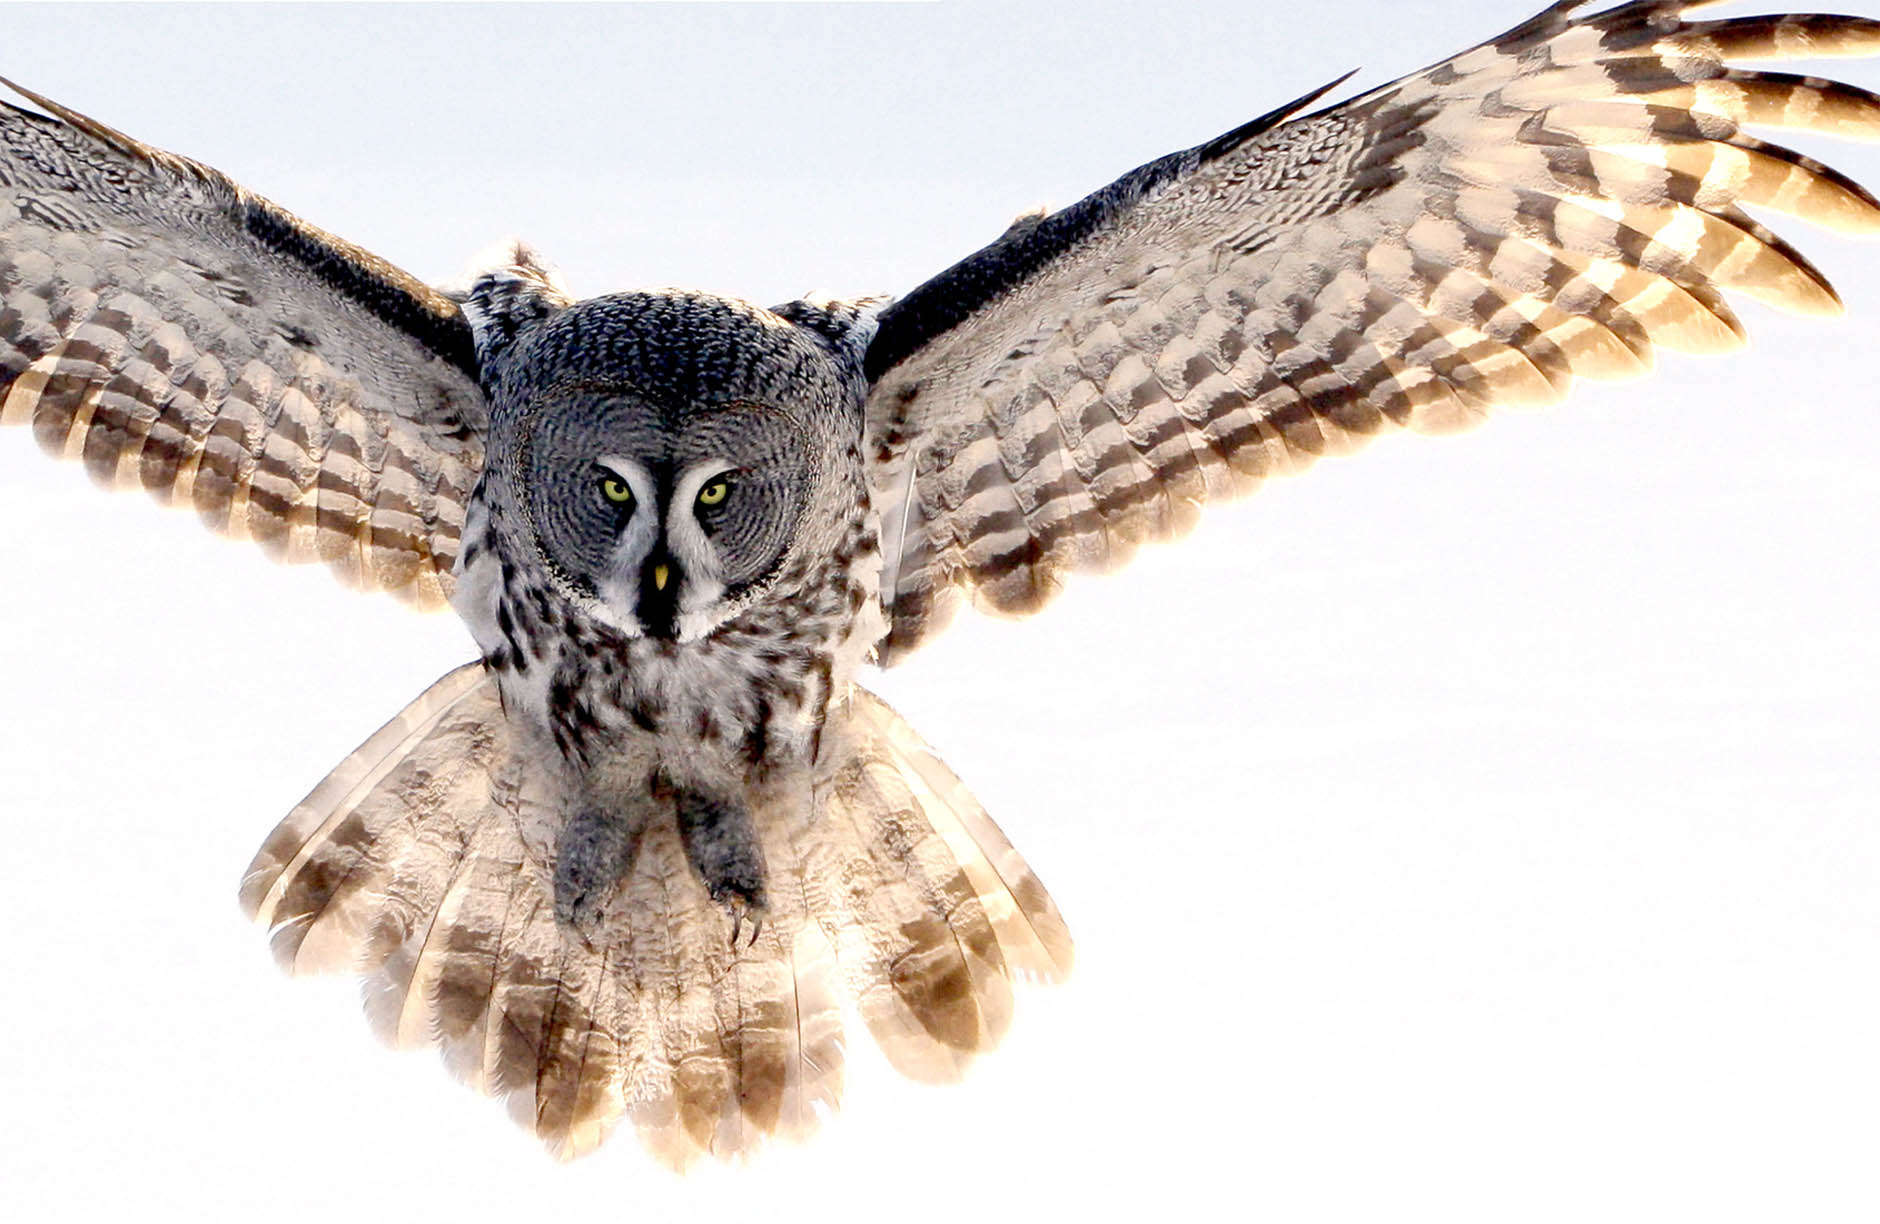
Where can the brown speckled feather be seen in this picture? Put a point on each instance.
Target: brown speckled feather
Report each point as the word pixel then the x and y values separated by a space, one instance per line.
pixel 1554 204
pixel 553 870
pixel 176 332
pixel 423 863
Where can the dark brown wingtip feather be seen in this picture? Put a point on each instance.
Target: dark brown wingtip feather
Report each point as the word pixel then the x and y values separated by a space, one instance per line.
pixel 1769 37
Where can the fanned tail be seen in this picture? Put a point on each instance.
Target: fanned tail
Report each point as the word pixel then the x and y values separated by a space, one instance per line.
pixel 424 863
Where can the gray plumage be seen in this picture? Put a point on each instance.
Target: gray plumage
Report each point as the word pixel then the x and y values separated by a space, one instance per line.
pixel 628 865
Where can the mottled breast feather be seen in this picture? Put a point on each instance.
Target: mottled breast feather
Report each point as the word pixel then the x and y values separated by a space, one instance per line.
pixel 1553 204
pixel 177 332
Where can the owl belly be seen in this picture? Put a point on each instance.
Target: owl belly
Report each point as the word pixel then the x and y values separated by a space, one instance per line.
pixel 708 711
pixel 697 739
pixel 714 739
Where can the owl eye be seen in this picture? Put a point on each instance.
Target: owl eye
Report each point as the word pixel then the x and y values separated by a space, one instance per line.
pixel 615 490
pixel 714 493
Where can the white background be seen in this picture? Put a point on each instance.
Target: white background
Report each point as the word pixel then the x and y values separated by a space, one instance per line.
pixel 1482 829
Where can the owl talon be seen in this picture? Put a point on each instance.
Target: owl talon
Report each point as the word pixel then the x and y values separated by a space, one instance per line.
pixel 582 915
pixel 722 847
pixel 740 908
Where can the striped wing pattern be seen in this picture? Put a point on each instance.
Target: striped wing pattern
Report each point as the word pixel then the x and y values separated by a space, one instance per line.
pixel 1553 204
pixel 174 331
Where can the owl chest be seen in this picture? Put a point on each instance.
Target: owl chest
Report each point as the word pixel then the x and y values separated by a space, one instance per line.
pixel 741 703
pixel 701 710
pixel 728 710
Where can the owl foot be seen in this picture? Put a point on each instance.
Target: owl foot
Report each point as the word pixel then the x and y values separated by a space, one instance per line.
pixel 595 854
pixel 722 847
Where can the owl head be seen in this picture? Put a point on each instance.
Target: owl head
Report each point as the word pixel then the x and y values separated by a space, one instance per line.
pixel 666 457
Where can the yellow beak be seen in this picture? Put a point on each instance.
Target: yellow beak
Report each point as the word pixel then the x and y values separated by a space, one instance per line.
pixel 660 574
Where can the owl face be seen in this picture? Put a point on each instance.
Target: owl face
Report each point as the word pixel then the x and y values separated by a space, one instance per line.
pixel 663 458
pixel 665 518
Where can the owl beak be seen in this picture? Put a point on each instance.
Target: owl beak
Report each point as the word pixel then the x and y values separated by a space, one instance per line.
pixel 658 607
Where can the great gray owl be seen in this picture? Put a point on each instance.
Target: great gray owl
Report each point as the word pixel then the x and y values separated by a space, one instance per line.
pixel 631 862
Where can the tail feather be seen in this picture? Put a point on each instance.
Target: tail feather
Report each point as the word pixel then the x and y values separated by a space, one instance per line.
pixel 425 864
pixel 921 957
pixel 314 880
pixel 1031 933
pixel 483 918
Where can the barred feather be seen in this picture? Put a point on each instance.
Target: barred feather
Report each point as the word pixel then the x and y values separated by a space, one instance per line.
pixel 424 863
pixel 1554 204
pixel 175 332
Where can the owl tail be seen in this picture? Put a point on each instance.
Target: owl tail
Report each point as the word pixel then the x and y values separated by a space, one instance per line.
pixel 424 863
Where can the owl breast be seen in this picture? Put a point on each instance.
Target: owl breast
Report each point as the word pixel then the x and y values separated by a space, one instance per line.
pixel 739 705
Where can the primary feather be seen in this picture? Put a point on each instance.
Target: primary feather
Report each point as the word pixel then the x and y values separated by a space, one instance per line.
pixel 1552 204
pixel 176 332
pixel 630 866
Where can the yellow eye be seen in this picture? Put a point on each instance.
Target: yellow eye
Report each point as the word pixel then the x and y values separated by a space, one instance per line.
pixel 714 493
pixel 616 491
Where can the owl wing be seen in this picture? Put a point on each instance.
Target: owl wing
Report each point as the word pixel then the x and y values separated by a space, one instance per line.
pixel 175 331
pixel 1552 204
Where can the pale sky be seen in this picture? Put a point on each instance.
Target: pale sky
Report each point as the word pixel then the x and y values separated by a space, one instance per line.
pixel 1482 828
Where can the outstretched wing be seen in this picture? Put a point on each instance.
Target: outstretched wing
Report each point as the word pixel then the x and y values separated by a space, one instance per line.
pixel 175 331
pixel 1549 205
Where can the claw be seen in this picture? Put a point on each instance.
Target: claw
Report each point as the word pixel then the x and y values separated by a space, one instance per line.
pixel 723 849
pixel 582 915
pixel 741 907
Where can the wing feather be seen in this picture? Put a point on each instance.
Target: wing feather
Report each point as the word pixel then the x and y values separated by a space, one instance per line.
pixel 172 330
pixel 1554 204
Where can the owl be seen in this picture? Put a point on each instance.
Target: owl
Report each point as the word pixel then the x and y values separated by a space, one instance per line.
pixel 631 864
